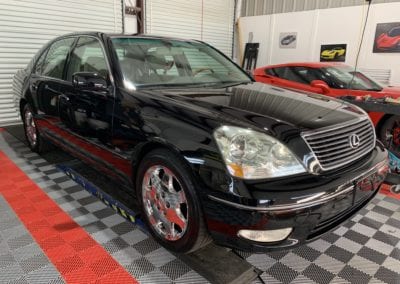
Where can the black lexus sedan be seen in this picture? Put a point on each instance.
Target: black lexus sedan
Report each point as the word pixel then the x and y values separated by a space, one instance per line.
pixel 209 154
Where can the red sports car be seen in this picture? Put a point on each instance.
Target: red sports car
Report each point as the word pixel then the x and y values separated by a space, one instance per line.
pixel 389 40
pixel 337 80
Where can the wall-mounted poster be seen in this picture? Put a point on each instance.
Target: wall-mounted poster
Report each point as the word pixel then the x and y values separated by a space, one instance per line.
pixel 333 52
pixel 387 37
pixel 287 40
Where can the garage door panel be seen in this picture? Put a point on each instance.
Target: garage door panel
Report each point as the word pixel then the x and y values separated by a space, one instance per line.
pixel 55 8
pixel 26 25
pixel 207 20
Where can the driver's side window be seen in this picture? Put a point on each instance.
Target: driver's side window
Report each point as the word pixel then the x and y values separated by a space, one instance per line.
pixel 87 56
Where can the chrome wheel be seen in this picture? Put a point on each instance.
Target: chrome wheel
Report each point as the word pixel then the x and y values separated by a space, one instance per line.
pixel 30 127
pixel 165 203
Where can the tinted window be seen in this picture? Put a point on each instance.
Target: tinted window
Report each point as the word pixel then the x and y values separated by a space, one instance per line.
pixel 290 73
pixel 279 72
pixel 347 78
pixel 306 74
pixel 39 63
pixel 270 72
pixel 87 56
pixel 53 65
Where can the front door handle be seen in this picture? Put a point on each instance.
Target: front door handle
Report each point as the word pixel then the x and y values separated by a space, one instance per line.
pixel 64 97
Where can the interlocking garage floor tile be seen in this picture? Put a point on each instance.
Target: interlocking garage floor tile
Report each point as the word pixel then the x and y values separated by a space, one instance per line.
pixel 364 249
pixel 20 255
pixel 139 254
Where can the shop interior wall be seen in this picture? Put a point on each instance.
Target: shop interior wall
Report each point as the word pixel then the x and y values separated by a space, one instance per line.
pixel 326 26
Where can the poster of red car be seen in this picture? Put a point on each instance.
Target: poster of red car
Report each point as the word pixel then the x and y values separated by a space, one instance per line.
pixel 387 37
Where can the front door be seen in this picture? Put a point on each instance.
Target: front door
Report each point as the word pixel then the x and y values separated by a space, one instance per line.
pixel 86 116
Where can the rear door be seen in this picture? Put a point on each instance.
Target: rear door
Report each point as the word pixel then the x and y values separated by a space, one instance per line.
pixel 47 78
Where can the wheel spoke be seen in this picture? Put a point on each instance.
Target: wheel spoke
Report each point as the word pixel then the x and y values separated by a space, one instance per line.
pixel 176 217
pixel 180 197
pixel 168 181
pixel 163 198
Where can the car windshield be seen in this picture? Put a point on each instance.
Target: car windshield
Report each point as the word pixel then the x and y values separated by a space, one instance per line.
pixel 153 63
pixel 345 77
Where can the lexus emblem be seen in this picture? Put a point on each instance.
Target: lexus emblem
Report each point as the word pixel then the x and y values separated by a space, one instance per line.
pixel 354 141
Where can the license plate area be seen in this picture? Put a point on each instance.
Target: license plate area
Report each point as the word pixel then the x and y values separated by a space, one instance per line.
pixel 364 187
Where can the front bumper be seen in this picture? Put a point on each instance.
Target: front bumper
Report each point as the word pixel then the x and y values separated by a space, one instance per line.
pixel 310 211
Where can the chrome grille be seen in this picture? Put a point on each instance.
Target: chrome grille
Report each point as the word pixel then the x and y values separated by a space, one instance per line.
pixel 331 146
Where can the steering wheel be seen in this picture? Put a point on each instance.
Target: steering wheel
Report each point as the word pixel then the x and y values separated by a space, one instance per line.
pixel 201 70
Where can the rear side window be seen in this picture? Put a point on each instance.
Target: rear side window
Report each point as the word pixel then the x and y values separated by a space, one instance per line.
pixel 87 56
pixel 279 72
pixel 270 71
pixel 53 65
pixel 290 74
pixel 39 63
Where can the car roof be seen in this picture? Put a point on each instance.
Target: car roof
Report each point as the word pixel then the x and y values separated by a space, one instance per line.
pixel 308 64
pixel 99 34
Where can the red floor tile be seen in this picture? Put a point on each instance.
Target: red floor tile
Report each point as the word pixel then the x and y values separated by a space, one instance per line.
pixel 78 257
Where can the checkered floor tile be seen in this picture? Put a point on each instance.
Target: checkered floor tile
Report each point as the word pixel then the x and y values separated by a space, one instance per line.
pixel 364 249
pixel 21 259
pixel 138 253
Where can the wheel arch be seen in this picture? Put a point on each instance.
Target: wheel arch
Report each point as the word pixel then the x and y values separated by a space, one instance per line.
pixel 26 99
pixel 380 123
pixel 147 147
pixel 22 103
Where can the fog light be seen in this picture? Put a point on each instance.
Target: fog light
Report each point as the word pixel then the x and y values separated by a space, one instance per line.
pixel 265 236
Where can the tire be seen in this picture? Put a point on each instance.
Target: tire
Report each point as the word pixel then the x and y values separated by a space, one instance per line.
pixel 389 134
pixel 32 135
pixel 164 201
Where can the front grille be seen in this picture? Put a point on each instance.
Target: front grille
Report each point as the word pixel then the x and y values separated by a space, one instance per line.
pixel 332 148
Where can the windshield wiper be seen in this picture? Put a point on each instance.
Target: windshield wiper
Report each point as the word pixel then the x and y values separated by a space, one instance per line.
pixel 223 84
pixel 163 85
pixel 234 83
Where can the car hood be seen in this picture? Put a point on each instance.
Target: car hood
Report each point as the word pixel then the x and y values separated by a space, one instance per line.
pixel 258 103
pixel 393 92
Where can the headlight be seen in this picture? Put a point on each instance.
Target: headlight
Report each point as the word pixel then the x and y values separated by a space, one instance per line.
pixel 253 155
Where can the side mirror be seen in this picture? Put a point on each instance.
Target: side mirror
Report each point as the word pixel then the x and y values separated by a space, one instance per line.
pixel 321 85
pixel 89 81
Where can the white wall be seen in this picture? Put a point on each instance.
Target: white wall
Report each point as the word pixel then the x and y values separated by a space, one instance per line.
pixel 326 26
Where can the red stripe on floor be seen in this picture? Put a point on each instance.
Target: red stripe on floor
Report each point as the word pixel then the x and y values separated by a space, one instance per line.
pixel 385 189
pixel 78 257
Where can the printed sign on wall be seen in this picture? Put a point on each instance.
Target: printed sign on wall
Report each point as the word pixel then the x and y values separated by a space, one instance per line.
pixel 287 40
pixel 387 37
pixel 333 52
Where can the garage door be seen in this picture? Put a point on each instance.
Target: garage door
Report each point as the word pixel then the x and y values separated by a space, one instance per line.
pixel 207 20
pixel 25 25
